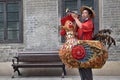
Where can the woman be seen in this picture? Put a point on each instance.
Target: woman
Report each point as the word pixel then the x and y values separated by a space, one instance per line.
pixel 85 32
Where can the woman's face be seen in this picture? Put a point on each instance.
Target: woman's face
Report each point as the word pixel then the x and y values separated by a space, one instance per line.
pixel 85 14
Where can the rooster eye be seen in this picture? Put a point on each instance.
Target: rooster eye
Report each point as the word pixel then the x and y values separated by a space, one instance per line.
pixel 70 23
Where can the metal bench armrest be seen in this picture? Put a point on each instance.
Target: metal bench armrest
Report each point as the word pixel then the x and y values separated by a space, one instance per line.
pixel 15 59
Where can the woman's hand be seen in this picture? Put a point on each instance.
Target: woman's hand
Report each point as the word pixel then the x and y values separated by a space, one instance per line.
pixel 75 16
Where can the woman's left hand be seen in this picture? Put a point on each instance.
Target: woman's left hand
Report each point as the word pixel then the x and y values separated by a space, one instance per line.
pixel 75 16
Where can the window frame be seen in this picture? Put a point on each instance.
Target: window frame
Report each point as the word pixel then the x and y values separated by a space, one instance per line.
pixel 63 7
pixel 20 33
pixel 95 7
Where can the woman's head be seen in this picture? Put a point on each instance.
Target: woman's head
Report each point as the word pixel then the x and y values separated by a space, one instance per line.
pixel 87 12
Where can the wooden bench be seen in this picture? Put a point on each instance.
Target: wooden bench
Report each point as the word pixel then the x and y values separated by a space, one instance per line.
pixel 48 59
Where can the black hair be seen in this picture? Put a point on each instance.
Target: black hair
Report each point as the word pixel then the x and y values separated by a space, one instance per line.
pixel 89 11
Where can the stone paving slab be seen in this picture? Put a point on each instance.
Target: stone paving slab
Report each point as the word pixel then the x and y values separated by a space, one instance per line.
pixel 59 78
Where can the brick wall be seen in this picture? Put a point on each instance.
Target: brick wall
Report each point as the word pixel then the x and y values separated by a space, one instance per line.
pixel 111 19
pixel 41 24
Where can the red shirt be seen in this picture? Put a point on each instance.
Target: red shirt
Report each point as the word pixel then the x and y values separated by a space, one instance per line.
pixel 87 30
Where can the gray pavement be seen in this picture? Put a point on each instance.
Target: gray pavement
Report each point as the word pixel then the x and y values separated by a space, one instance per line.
pixel 58 78
pixel 111 71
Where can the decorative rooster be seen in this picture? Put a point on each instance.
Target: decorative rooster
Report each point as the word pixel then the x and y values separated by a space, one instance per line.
pixel 76 53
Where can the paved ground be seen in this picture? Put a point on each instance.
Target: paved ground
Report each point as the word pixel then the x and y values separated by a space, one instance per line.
pixel 111 71
pixel 59 78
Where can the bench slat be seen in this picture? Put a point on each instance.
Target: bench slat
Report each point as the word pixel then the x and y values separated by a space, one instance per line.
pixel 38 65
pixel 38 57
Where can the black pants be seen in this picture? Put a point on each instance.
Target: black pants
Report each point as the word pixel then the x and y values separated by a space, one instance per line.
pixel 86 73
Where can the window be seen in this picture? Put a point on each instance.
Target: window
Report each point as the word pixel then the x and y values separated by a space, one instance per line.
pixel 10 21
pixel 70 4
pixel 74 5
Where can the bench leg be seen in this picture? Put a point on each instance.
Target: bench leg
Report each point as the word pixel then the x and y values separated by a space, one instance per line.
pixel 19 72
pixel 16 69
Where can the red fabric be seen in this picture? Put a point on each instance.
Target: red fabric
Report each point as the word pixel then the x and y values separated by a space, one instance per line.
pixel 78 52
pixel 80 32
pixel 87 30
pixel 71 26
pixel 62 32
pixel 65 18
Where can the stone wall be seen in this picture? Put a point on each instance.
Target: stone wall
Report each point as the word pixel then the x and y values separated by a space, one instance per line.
pixel 111 19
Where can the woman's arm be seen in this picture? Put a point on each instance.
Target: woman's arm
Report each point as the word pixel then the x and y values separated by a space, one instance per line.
pixel 79 24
